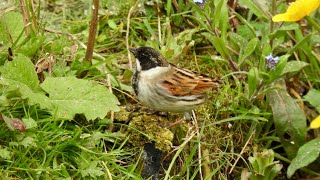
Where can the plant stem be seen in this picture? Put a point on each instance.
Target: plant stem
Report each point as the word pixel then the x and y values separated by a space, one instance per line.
pixel 313 23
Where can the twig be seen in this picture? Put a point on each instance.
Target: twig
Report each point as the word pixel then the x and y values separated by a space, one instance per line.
pixel 25 16
pixel 199 144
pixel 128 28
pixel 242 151
pixel 92 31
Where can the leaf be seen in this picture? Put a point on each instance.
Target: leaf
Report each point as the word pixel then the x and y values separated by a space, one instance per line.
pixel 29 122
pixel 294 66
pixel 28 141
pixel 289 120
pixel 5 154
pixel 307 153
pixel 112 24
pixel 92 171
pixel 313 97
pixel 279 68
pixel 253 7
pixel 14 123
pixel 73 96
pixel 11 26
pixel 253 77
pixel 26 92
pixel 21 69
pixel 249 48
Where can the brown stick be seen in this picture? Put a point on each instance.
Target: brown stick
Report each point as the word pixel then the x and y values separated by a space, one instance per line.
pixel 25 16
pixel 92 31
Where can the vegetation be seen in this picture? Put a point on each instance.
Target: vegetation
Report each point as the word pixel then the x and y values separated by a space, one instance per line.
pixel 68 111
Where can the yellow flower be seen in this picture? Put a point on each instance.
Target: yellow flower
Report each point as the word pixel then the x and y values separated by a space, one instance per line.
pixel 315 123
pixel 297 10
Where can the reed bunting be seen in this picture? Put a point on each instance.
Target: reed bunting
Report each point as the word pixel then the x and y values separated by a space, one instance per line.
pixel 162 86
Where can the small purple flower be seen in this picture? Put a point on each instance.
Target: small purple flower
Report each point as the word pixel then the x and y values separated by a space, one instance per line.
pixel 200 3
pixel 271 61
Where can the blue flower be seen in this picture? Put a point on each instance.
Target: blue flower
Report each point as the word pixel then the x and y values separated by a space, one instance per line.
pixel 271 62
pixel 200 3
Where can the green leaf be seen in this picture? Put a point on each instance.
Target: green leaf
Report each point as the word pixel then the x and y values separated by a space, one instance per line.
pixel 73 96
pixel 21 69
pixel 289 120
pixel 294 66
pixel 313 97
pixel 5 154
pixel 11 26
pixel 112 24
pixel 25 92
pixel 29 122
pixel 307 153
pixel 253 8
pixel 279 68
pixel 32 45
pixel 253 77
pixel 93 170
pixel 250 47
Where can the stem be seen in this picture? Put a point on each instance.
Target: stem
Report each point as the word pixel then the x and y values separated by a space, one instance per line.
pixel 92 31
pixel 313 23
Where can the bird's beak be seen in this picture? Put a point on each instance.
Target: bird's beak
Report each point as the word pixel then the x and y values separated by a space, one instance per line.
pixel 133 50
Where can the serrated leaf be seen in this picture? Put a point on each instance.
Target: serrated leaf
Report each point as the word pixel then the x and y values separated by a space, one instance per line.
pixel 28 141
pixel 92 171
pixel 73 96
pixel 313 97
pixel 25 92
pixel 294 66
pixel 21 69
pixel 11 26
pixel 5 154
pixel 307 153
pixel 289 120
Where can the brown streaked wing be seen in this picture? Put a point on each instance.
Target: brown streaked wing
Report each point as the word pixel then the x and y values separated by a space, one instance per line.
pixel 182 82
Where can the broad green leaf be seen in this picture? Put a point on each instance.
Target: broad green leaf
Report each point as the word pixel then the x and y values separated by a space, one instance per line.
pixel 289 121
pixel 313 97
pixel 73 96
pixel 25 92
pixel 11 26
pixel 307 153
pixel 294 66
pixel 21 69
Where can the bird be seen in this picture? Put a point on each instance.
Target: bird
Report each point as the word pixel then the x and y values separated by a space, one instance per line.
pixel 162 86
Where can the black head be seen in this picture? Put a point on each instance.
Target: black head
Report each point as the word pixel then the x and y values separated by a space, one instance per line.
pixel 148 58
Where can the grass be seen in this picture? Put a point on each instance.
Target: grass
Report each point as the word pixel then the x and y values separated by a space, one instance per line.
pixel 251 128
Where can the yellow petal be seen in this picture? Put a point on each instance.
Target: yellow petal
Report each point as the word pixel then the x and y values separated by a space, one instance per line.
pixel 297 10
pixel 315 123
